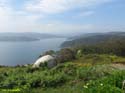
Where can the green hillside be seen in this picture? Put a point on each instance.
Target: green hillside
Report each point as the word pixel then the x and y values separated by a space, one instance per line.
pixel 84 74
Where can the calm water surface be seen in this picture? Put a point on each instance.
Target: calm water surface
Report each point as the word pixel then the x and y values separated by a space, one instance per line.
pixel 14 53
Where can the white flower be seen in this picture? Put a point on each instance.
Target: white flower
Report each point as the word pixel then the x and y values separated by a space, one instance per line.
pixel 85 86
pixel 101 84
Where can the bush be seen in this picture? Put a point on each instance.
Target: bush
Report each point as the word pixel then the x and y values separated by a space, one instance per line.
pixel 109 84
pixel 65 55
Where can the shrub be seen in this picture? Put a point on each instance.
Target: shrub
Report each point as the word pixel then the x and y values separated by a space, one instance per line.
pixel 65 55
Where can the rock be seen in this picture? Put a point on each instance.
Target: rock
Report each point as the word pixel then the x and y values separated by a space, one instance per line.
pixel 47 59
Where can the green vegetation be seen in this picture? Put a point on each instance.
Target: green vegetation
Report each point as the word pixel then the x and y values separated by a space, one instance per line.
pixel 91 73
pixel 105 43
pixel 97 67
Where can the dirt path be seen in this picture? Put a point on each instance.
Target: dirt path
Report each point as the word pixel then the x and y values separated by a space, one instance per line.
pixel 119 66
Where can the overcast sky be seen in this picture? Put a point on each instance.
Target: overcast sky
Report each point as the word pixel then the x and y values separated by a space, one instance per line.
pixel 62 16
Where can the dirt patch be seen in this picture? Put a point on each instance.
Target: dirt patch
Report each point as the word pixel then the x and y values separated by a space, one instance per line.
pixel 119 66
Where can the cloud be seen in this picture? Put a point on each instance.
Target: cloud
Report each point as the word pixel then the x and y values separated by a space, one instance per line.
pixel 83 14
pixel 88 13
pixel 11 21
pixel 26 20
pixel 14 21
pixel 22 21
pixel 59 6
pixel 4 18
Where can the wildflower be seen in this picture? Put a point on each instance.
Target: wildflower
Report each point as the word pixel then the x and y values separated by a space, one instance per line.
pixel 101 84
pixel 85 86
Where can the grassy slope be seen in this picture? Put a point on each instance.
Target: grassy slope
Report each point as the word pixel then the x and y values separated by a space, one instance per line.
pixel 88 74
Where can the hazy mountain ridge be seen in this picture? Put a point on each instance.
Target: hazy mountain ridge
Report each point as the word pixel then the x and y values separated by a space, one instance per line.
pixel 94 38
pixel 17 38
pixel 28 36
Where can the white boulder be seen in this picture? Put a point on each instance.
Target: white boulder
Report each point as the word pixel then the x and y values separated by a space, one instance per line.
pixel 48 59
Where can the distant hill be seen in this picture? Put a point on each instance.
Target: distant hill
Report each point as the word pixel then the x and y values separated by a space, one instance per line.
pixel 94 38
pixel 17 38
pixel 28 36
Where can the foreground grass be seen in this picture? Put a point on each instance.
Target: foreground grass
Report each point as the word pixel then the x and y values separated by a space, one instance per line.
pixel 87 74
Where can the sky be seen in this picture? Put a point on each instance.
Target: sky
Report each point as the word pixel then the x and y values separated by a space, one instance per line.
pixel 62 16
